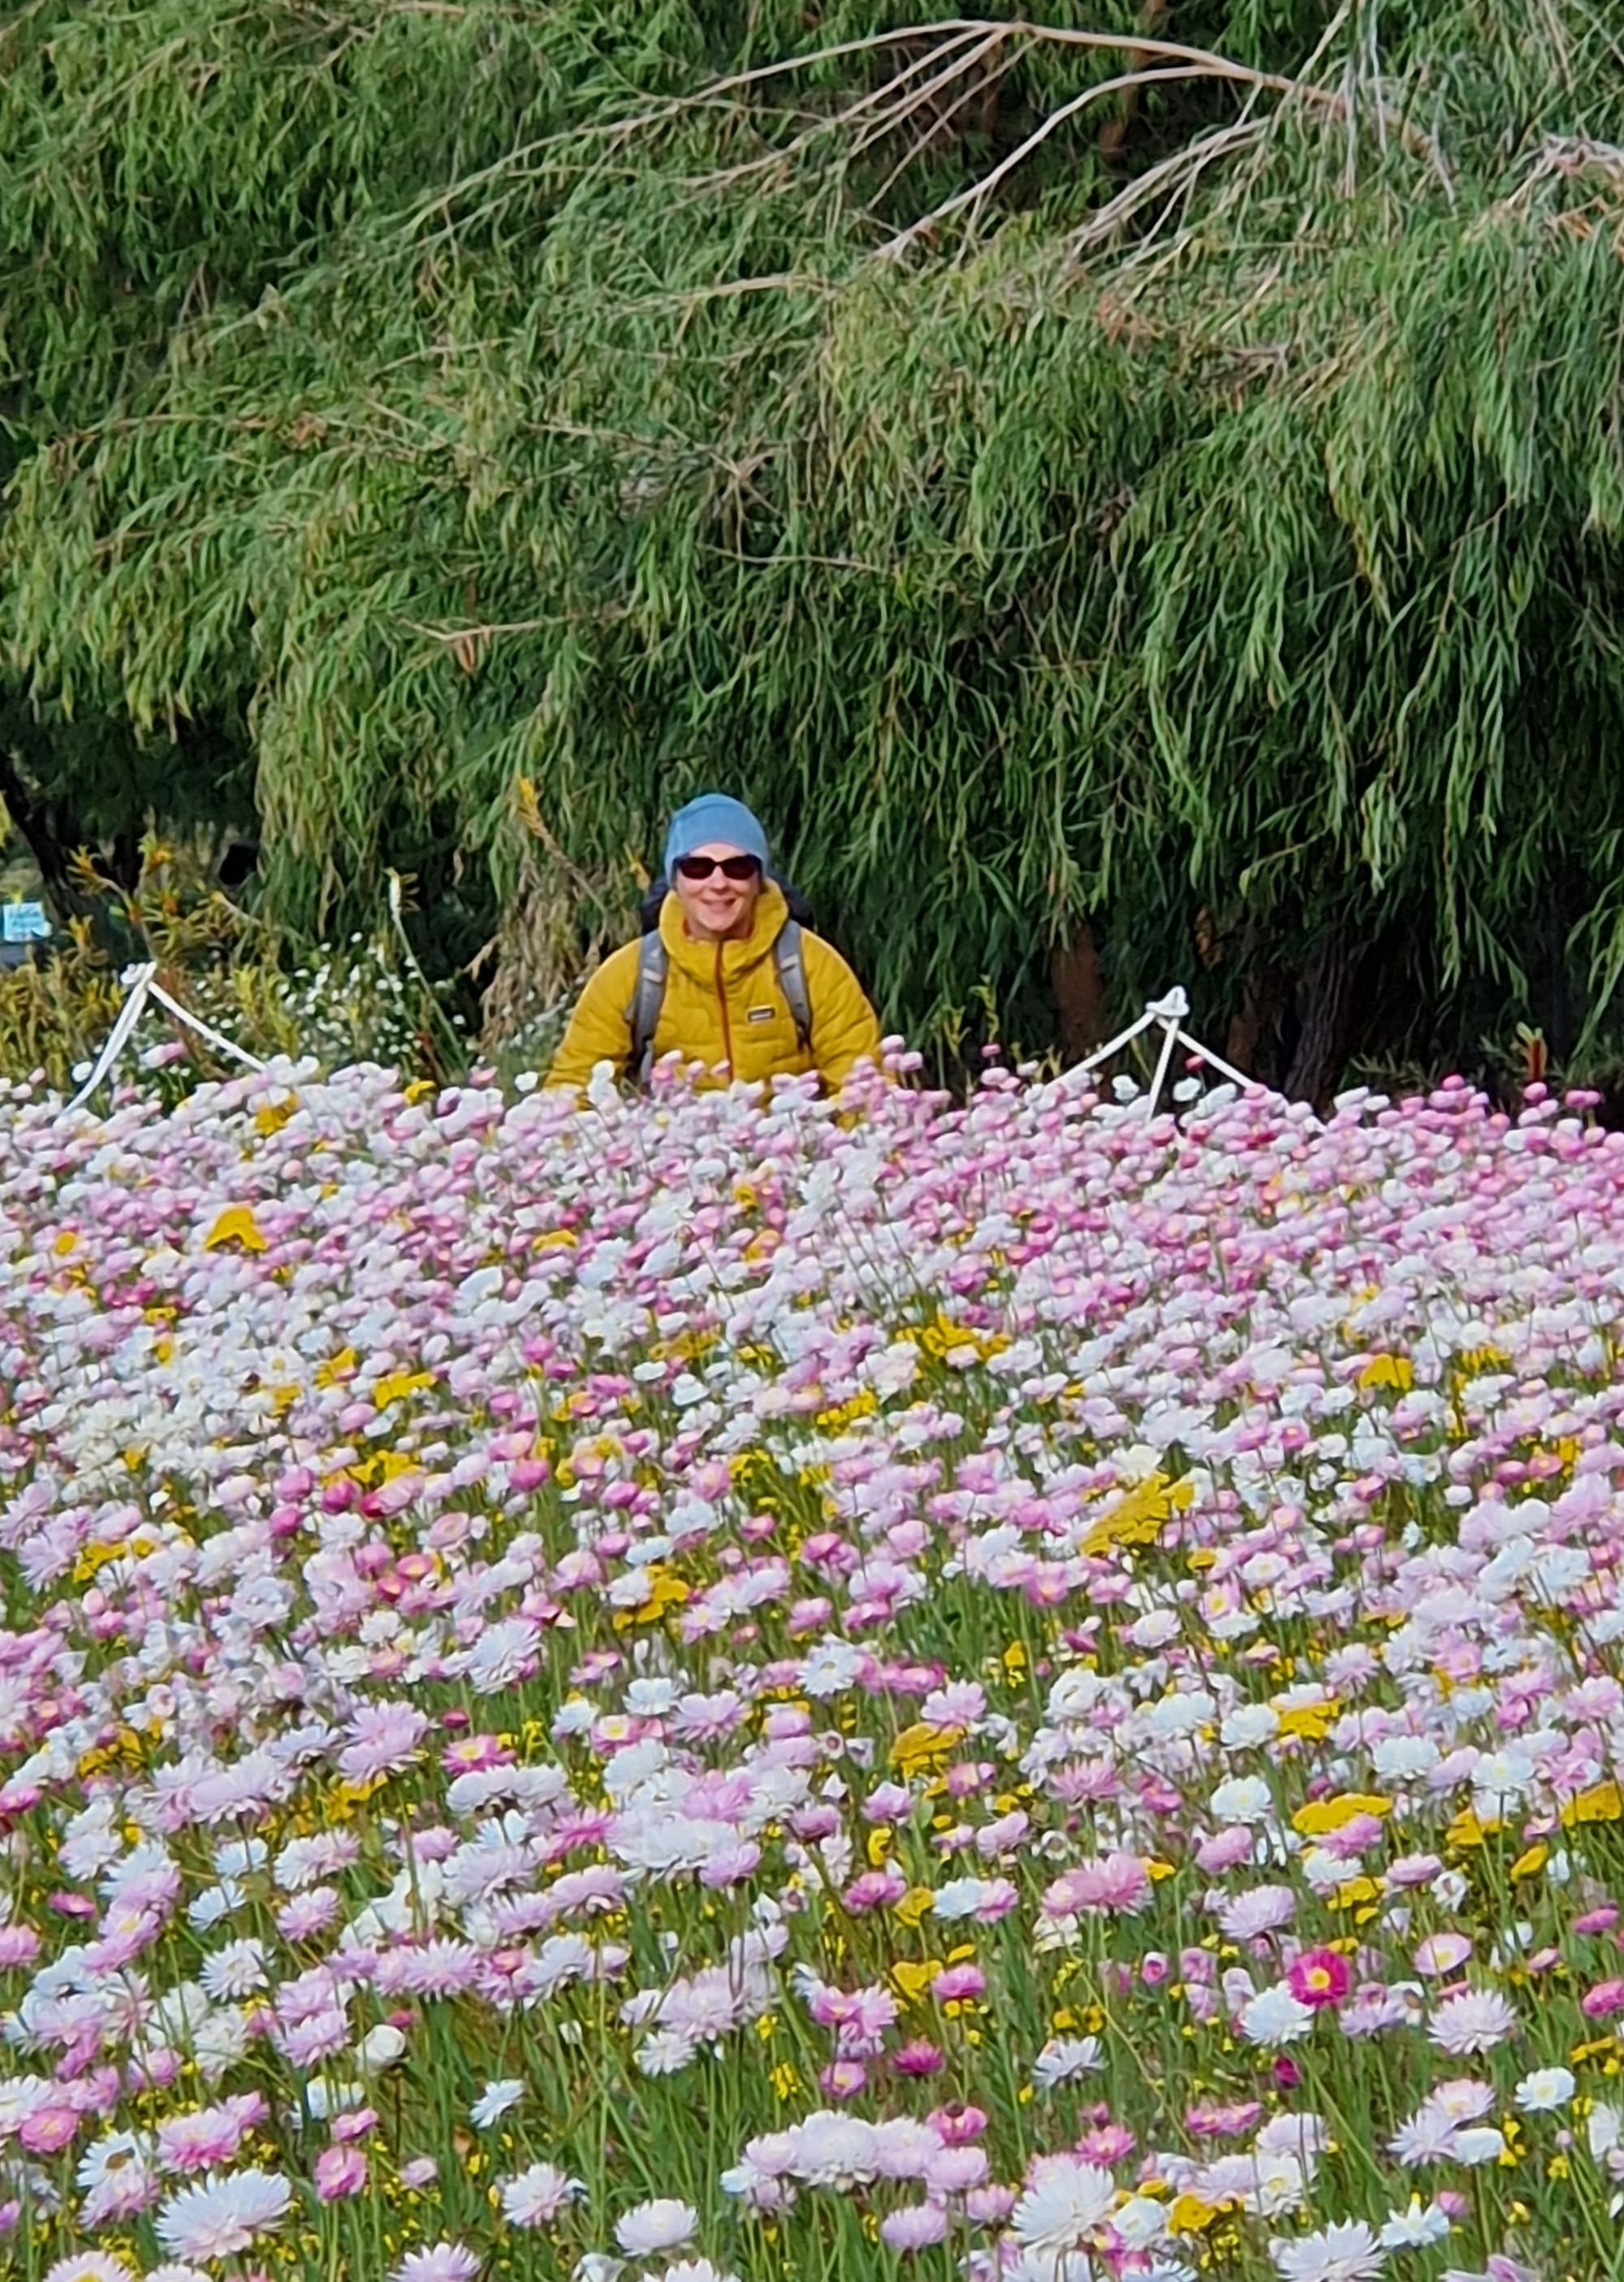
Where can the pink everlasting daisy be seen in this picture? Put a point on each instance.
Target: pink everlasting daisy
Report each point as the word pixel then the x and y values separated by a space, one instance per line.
pixel 1345 2252
pixel 1475 2021
pixel 222 2215
pixel 1114 1882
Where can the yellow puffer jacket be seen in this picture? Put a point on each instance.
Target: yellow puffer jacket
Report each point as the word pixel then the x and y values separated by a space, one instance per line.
pixel 724 1007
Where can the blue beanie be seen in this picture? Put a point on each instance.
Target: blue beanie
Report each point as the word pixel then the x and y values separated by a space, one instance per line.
pixel 714 818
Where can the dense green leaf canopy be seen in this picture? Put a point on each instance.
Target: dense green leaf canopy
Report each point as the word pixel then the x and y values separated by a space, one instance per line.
pixel 1175 487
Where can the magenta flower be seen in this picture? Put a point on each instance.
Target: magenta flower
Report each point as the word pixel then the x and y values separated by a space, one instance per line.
pixel 917 2058
pixel 384 1740
pixel 1413 1870
pixel 956 2171
pixel 308 1914
pixel 1360 1832
pixel 957 1983
pixel 1225 1850
pixel 209 2136
pixel 1319 1977
pixel 1106 2144
pixel 875 1890
pixel 956 2125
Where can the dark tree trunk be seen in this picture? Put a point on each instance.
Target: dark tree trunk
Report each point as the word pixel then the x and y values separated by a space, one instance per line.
pixel 1328 1005
pixel 125 863
pixel 1551 975
pixel 1079 993
pixel 49 846
pixel 52 836
pixel 1253 1043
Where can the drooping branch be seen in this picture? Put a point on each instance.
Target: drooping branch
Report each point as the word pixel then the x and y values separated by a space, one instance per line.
pixel 884 110
pixel 1109 576
pixel 979 192
pixel 1155 61
pixel 954 46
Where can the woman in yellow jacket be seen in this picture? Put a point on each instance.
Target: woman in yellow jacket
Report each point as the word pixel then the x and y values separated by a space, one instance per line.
pixel 726 999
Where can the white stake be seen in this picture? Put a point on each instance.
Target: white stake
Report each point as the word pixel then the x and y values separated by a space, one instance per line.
pixel 139 980
pixel 1215 1061
pixel 1170 1039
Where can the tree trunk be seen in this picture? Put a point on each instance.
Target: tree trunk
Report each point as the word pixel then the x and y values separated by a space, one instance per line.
pixel 125 861
pixel 1079 993
pixel 1327 1020
pixel 52 836
pixel 1254 1039
pixel 1552 974
pixel 48 844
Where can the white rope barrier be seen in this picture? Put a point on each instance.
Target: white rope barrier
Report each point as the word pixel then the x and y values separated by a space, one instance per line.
pixel 1167 1015
pixel 204 1030
pixel 141 988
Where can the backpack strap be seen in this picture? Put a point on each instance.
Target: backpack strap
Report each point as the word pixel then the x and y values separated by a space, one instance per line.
pixel 643 1014
pixel 790 956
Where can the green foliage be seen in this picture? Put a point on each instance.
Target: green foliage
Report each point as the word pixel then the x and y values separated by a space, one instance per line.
pixel 1216 513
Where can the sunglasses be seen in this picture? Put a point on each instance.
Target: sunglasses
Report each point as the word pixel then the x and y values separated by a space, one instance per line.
pixel 731 867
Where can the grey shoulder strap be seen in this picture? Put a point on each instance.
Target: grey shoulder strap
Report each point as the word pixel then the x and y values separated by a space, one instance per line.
pixel 643 1014
pixel 789 953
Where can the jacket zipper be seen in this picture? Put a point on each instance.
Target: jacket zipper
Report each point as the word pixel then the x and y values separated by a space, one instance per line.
pixel 721 1000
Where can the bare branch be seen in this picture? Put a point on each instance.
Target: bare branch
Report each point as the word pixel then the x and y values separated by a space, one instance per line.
pixel 1167 175
pixel 889 114
pixel 947 33
pixel 979 190
pixel 944 80
pixel 1182 63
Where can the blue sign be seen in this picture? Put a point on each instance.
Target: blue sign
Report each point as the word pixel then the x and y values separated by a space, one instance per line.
pixel 22 922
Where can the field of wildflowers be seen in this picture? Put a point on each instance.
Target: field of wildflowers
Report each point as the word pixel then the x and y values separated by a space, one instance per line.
pixel 690 1690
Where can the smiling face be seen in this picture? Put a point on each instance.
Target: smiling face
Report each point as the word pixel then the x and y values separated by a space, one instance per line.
pixel 716 908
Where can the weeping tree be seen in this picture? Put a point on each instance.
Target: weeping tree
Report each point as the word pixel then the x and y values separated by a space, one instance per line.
pixel 1130 496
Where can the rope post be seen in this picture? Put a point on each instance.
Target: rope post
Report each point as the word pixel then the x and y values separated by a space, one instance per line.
pixel 138 984
pixel 1166 1013
pixel 1170 1039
